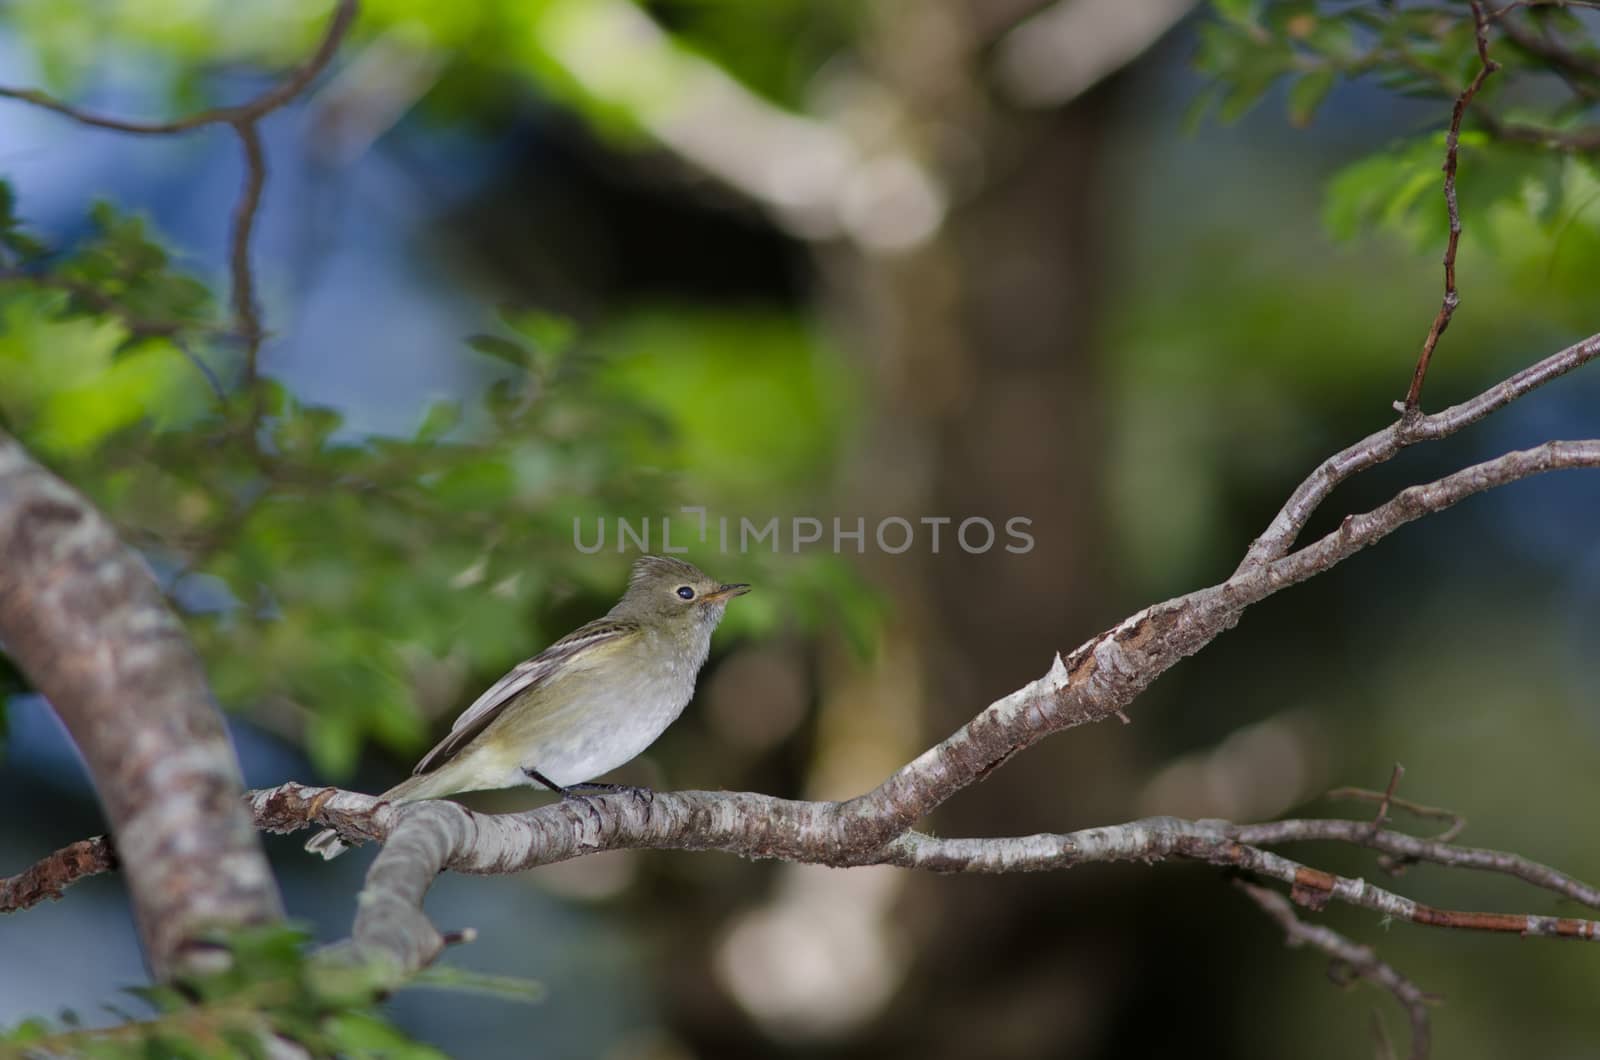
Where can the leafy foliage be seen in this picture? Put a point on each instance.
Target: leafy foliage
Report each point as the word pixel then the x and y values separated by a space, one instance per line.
pixel 1532 208
pixel 346 589
pixel 276 989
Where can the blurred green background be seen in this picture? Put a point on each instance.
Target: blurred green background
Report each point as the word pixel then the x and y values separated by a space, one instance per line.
pixel 530 268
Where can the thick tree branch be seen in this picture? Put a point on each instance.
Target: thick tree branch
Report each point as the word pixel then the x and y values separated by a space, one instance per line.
pixel 761 826
pixel 1058 53
pixel 423 838
pixel 811 174
pixel 87 624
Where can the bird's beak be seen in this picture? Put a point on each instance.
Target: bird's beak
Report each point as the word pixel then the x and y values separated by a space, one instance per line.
pixel 727 592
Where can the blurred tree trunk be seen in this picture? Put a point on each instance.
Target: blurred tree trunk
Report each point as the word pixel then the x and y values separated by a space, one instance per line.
pixel 986 401
pixel 987 374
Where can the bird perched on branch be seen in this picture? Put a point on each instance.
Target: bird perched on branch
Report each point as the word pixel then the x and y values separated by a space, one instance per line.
pixel 591 701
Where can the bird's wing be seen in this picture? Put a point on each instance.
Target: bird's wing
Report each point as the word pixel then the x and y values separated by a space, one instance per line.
pixel 523 677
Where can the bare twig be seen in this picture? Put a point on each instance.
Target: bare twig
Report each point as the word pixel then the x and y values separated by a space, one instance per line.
pixel 1457 822
pixel 244 119
pixel 1382 817
pixel 1384 445
pixel 1359 960
pixel 47 878
pixel 246 315
pixel 1452 139
pixel 1412 848
pixel 292 85
pixel 1104 675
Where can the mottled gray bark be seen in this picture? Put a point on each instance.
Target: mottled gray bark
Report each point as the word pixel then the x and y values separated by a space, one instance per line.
pixel 83 618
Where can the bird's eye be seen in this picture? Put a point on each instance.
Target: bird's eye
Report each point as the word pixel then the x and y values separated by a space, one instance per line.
pixel 685 593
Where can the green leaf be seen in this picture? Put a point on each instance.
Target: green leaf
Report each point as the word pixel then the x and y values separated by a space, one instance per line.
pixel 507 987
pixel 363 1035
pixel 1244 11
pixel 441 418
pixel 501 349
pixel 553 336
pixel 482 483
pixel 1381 189
pixel 24 246
pixel 1307 93
pixel 70 384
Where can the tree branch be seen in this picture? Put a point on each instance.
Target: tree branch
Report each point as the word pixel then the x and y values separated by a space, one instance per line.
pixel 1412 848
pixel 344 14
pixel 50 876
pixel 246 314
pixel 1452 141
pixel 1098 680
pixel 244 119
pixel 1360 960
pixel 87 624
pixel 421 839
pixel 1061 51
pixel 1408 430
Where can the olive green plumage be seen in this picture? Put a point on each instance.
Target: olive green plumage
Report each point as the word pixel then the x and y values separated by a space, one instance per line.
pixel 591 701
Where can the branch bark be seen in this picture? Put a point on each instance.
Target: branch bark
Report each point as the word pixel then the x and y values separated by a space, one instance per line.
pixel 1359 960
pixel 85 621
pixel 1096 681
pixel 422 839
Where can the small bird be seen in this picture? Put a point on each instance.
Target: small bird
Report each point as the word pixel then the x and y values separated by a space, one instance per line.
pixel 591 701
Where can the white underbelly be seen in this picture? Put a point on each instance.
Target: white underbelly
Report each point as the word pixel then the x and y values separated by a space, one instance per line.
pixel 610 728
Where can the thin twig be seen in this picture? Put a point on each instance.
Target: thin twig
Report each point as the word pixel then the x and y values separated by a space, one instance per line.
pixel 1360 960
pixel 1458 822
pixel 1413 848
pixel 344 14
pixel 246 315
pixel 1381 446
pixel 1452 139
pixel 1382 817
pixel 244 119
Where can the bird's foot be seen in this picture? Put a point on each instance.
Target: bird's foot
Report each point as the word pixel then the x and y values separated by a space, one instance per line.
pixel 579 791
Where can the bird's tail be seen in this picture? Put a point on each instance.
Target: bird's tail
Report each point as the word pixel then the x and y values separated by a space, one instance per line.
pixel 427 786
